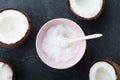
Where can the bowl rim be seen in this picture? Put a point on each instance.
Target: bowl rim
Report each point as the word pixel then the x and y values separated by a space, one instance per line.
pixel 65 65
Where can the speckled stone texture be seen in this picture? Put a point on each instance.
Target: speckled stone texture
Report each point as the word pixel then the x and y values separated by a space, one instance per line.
pixel 27 64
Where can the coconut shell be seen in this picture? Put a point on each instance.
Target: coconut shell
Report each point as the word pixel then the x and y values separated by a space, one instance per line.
pixel 86 19
pixel 20 42
pixel 116 67
pixel 6 62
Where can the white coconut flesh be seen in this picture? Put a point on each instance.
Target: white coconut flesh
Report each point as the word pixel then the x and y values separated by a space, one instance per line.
pixel 13 26
pixel 102 71
pixel 86 8
pixel 6 72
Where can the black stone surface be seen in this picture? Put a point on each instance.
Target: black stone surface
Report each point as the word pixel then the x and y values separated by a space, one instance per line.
pixel 25 60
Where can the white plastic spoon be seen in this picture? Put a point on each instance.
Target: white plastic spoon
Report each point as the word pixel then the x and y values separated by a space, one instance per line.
pixel 67 41
pixel 92 36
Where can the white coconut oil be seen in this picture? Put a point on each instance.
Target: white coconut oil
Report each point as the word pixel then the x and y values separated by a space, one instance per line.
pixel 56 47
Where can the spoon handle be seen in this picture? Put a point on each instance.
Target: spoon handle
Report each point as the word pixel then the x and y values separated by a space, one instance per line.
pixel 93 36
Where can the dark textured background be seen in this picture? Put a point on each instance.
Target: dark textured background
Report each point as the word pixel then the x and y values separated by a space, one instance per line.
pixel 25 60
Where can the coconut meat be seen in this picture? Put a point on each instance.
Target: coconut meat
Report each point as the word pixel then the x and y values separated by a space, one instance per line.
pixel 13 26
pixel 6 72
pixel 86 8
pixel 102 71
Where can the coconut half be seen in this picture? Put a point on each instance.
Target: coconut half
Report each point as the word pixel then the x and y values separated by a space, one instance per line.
pixel 86 9
pixel 105 70
pixel 6 71
pixel 14 27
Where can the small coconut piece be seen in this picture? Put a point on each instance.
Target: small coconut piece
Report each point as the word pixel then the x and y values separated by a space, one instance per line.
pixel 105 70
pixel 86 9
pixel 14 27
pixel 6 71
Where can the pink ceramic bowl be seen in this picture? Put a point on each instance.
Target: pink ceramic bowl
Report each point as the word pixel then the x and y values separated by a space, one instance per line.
pixel 45 58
